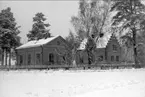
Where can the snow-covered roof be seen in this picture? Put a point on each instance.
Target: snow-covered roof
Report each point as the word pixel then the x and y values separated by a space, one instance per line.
pixel 36 43
pixel 101 43
pixel 83 44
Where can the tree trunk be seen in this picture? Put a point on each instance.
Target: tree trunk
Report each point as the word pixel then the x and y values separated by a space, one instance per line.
pixel 90 47
pixel 10 57
pixel 135 48
pixel 89 57
pixel 135 58
pixel 6 57
pixel 17 57
pixel 74 52
pixel 2 57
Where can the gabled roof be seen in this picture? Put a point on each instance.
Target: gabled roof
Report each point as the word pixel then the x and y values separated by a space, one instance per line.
pixel 101 43
pixel 36 43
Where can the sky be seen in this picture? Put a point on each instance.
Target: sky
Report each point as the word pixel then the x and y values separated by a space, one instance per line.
pixel 58 14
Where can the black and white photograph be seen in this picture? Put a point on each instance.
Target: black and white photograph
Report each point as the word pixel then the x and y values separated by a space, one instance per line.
pixel 72 48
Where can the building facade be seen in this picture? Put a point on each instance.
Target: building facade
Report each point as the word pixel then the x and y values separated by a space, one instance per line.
pixel 42 52
pixel 108 51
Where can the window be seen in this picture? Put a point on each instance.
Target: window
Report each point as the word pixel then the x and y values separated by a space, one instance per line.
pixel 114 47
pixel 38 58
pixel 81 60
pixel 117 58
pixel 21 59
pixel 112 58
pixel 100 58
pixel 51 58
pixel 58 43
pixel 29 59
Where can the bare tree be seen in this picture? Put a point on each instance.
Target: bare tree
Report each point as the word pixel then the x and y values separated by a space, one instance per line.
pixel 93 19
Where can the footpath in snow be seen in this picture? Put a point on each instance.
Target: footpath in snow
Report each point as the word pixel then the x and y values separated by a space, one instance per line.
pixel 73 83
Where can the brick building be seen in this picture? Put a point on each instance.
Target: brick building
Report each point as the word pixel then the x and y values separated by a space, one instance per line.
pixel 108 50
pixel 42 52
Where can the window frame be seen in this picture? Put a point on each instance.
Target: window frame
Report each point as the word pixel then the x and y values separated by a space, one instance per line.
pixel 21 59
pixel 114 47
pixel 51 58
pixel 117 58
pixel 112 58
pixel 58 42
pixel 81 60
pixel 29 59
pixel 38 61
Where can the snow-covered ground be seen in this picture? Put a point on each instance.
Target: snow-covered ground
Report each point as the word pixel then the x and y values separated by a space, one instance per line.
pixel 80 83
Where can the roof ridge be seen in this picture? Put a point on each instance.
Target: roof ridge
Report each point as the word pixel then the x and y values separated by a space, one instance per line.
pixel 36 43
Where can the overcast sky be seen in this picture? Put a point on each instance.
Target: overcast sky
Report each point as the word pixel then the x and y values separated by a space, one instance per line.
pixel 58 14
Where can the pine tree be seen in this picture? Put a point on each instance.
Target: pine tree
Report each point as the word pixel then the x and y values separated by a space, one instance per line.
pixel 39 30
pixel 8 33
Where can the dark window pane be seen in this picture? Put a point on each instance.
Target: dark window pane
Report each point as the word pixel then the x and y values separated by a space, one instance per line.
pixel 81 60
pixel 51 58
pixel 114 47
pixel 58 43
pixel 29 59
pixel 112 58
pixel 37 58
pixel 117 58
pixel 21 59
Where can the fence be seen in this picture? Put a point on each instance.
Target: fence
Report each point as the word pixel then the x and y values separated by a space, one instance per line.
pixel 83 66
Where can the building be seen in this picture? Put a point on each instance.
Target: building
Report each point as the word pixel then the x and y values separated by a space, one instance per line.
pixel 108 50
pixel 42 52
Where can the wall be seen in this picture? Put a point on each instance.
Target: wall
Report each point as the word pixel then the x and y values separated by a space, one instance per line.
pixel 111 52
pixel 100 52
pixel 32 51
pixel 102 55
pixel 57 47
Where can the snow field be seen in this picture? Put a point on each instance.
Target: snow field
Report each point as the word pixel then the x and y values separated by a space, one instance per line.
pixel 73 83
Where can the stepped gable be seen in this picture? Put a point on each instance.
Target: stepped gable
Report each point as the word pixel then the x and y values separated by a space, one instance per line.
pixel 101 43
pixel 113 38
